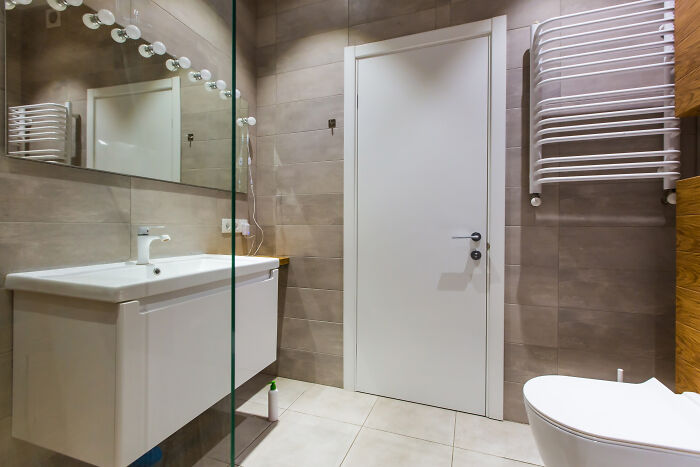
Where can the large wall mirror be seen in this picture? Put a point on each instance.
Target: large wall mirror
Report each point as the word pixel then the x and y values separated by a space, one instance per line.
pixel 136 87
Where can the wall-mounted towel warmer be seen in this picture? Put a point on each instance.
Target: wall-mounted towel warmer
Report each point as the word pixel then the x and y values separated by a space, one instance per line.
pixel 602 97
pixel 44 132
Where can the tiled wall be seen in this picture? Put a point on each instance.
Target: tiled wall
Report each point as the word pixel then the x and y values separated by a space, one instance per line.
pixel 589 275
pixel 52 216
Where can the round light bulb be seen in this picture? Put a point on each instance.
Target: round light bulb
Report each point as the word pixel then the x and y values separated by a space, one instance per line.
pixel 184 62
pixel 106 17
pixel 174 65
pixel 171 64
pixel 238 94
pixel 205 74
pixel 118 35
pixel 225 95
pixel 158 48
pixel 132 32
pixel 129 32
pixel 214 85
pixel 60 5
pixel 10 5
pixel 252 121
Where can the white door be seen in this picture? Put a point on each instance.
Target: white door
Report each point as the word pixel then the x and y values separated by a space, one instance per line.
pixel 134 129
pixel 422 161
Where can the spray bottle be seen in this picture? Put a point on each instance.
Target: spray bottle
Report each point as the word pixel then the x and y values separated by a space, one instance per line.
pixel 273 403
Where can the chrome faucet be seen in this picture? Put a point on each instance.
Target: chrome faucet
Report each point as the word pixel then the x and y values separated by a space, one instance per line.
pixel 144 240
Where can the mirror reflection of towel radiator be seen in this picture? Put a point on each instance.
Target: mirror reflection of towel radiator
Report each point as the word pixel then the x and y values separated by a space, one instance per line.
pixel 631 42
pixel 44 132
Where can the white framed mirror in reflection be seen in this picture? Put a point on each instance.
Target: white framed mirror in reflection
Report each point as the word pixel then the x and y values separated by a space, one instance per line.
pixel 136 87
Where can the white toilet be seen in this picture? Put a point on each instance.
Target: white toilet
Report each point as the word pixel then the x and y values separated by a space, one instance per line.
pixel 580 422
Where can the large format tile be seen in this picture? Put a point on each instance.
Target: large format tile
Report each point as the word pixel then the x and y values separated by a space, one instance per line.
pixel 536 325
pixel 374 448
pixel 5 385
pixel 529 285
pixel 311 336
pixel 338 404
pixel 504 439
pixel 314 240
pixel 364 11
pixel 617 290
pixel 289 390
pixel 161 203
pixel 520 13
pixel 310 178
pixel 513 402
pixel 300 439
pixel 311 19
pixel 311 51
pixel 309 366
pixel 316 273
pixel 317 304
pixel 603 365
pixel 464 458
pixel 630 334
pixel 307 115
pixel 389 28
pixel 310 146
pixel 523 362
pixel 319 209
pixel 310 83
pixel 414 420
pixel 532 246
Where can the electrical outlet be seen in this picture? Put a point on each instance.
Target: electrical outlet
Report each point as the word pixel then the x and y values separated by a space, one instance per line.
pixel 226 226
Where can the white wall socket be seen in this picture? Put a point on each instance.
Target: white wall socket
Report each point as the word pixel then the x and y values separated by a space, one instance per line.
pixel 243 227
pixel 226 225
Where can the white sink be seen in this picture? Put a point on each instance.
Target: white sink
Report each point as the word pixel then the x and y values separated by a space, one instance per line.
pixel 121 282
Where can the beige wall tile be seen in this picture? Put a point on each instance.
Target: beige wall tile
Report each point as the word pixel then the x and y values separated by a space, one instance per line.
pixel 31 189
pixel 310 209
pixel 161 202
pixel 412 23
pixel 310 51
pixel 523 362
pixel 310 19
pixel 310 178
pixel 601 365
pixel 534 325
pixel 265 8
pixel 309 83
pixel 513 405
pixel 266 151
pixel 5 384
pixel 310 240
pixel 266 31
pixel 265 60
pixel 28 246
pixel 318 273
pixel 313 304
pixel 617 290
pixel 520 13
pixel 364 11
pixel 312 336
pixel 517 46
pixel 531 285
pixel 267 90
pixel 631 334
pixel 312 114
pixel 617 248
pixel 6 321
pixel 267 117
pixel 312 367
pixel 517 167
pixel 532 246
pixel 310 146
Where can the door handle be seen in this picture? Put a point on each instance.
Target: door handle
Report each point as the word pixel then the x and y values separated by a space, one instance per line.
pixel 475 236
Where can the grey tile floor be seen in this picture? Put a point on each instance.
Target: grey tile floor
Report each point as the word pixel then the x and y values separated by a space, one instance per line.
pixel 325 426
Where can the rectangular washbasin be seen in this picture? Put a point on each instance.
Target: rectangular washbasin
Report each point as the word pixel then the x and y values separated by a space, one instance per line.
pixel 120 282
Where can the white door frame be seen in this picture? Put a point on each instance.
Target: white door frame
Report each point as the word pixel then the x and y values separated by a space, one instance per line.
pixel 142 87
pixel 495 30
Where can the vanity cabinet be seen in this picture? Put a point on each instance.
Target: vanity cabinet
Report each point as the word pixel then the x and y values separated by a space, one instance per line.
pixel 688 285
pixel 105 382
pixel 687 57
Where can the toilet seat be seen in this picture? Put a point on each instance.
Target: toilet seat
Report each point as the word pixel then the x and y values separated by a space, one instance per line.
pixel 646 415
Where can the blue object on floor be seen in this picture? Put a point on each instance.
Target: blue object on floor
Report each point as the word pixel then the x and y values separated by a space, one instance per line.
pixel 149 459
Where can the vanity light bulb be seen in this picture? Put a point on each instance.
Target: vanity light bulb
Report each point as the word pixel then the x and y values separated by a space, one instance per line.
pixel 252 121
pixel 95 20
pixel 11 4
pixel 225 95
pixel 203 74
pixel 60 5
pixel 214 85
pixel 238 94
pixel 181 63
pixel 149 50
pixel 120 35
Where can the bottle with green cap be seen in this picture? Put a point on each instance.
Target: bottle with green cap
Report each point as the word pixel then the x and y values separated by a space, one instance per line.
pixel 272 403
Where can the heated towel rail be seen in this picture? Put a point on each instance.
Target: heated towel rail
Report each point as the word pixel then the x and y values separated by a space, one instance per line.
pixel 602 97
pixel 42 132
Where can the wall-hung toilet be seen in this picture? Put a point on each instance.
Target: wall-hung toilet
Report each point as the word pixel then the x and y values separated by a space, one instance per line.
pixel 580 422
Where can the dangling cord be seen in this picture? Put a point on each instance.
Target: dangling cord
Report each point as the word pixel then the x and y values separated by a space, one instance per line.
pixel 252 192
